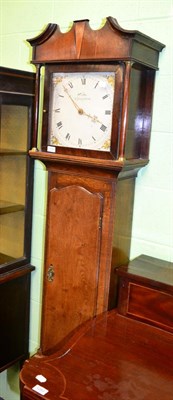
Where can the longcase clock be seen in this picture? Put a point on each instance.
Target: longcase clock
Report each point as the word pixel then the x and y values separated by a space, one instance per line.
pixel 96 122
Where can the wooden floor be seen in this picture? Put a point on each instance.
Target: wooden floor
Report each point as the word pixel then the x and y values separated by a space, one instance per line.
pixel 110 358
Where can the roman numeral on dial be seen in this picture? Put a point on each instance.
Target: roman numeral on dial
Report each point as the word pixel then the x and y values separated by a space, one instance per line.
pixel 96 85
pixel 70 84
pixel 59 124
pixel 68 136
pixel 103 128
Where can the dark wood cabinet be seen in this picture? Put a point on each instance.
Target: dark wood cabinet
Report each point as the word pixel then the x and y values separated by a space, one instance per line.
pixel 146 291
pixel 16 183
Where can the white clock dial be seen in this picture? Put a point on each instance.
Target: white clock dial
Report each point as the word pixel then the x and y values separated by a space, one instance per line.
pixel 81 110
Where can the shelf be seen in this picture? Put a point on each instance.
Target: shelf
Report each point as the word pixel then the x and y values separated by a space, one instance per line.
pixel 4 258
pixel 9 152
pixel 7 207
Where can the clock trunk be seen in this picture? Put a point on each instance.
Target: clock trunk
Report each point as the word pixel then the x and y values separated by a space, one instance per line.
pixel 88 233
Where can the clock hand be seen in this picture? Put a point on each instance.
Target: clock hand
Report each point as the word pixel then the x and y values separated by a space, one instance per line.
pixel 93 117
pixel 80 110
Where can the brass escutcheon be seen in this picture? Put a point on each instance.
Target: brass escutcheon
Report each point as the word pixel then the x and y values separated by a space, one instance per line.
pixel 50 273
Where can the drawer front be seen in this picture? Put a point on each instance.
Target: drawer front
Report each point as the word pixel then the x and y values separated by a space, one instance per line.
pixel 150 305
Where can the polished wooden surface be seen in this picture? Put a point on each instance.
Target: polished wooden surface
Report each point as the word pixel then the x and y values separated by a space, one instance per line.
pixel 111 357
pixel 150 270
pixel 146 291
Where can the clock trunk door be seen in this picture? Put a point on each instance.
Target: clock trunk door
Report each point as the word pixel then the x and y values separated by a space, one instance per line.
pixel 72 262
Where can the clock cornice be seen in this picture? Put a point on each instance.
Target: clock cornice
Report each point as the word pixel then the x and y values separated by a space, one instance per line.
pixel 111 42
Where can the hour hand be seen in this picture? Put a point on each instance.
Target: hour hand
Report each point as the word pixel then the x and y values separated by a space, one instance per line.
pixel 93 117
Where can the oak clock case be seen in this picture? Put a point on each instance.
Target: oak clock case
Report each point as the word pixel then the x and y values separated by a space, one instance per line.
pixel 97 111
pixel 16 181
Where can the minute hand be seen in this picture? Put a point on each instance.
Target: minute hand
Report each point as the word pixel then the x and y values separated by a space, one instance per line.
pixel 80 110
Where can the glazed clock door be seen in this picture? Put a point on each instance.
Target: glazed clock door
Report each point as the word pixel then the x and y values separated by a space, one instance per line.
pixel 72 262
pixel 87 99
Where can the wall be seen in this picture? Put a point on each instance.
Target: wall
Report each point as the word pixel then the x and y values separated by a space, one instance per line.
pixel 153 211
